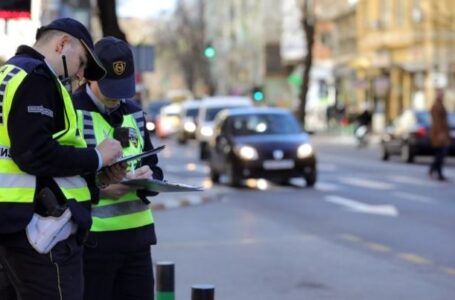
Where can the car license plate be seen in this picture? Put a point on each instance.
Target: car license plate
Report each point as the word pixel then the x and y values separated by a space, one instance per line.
pixel 278 164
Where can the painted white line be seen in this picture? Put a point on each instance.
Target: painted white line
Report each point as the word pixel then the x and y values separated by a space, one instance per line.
pixel 327 167
pixel 413 197
pixel 360 207
pixel 326 187
pixel 412 180
pixel 366 183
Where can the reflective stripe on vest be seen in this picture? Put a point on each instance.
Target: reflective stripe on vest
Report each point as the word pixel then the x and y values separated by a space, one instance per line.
pixel 119 209
pixel 128 211
pixel 18 186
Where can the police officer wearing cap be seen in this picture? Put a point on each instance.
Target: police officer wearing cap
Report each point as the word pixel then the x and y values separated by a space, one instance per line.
pixel 42 159
pixel 117 256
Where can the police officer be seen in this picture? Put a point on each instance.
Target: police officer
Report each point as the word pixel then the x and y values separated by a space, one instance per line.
pixel 117 257
pixel 42 159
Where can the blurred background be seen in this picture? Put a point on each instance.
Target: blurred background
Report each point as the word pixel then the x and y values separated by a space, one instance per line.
pixel 318 58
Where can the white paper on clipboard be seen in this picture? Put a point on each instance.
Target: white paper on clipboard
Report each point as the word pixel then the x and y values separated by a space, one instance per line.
pixel 161 185
pixel 140 155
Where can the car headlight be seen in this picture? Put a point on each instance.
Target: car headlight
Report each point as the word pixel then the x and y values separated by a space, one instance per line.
pixel 304 151
pixel 246 152
pixel 150 126
pixel 207 131
pixel 189 126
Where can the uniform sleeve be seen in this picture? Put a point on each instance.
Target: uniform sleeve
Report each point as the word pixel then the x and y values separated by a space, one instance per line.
pixel 36 114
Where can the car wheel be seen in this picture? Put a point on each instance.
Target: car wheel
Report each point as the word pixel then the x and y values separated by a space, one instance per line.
pixel 310 179
pixel 214 175
pixel 233 178
pixel 203 151
pixel 406 153
pixel 385 154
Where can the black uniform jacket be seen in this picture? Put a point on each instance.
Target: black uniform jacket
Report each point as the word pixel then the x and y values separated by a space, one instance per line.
pixel 33 148
pixel 135 238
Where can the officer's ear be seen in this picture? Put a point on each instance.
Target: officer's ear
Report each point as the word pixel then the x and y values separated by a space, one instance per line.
pixel 62 40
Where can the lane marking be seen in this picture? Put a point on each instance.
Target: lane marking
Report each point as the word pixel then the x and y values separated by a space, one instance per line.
pixel 357 206
pixel 326 186
pixel 366 183
pixel 327 167
pixel 450 271
pixel 415 259
pixel 349 237
pixel 412 180
pixel 378 247
pixel 413 197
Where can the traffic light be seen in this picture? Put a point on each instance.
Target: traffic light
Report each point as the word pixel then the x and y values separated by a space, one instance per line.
pixel 209 51
pixel 257 94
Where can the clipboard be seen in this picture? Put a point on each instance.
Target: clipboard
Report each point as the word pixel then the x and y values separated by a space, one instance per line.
pixel 140 155
pixel 156 185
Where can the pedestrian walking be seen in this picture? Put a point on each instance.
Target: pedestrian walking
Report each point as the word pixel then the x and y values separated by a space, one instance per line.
pixel 117 257
pixel 44 200
pixel 439 136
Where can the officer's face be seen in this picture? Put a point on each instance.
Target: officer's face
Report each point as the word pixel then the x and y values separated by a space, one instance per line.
pixel 108 102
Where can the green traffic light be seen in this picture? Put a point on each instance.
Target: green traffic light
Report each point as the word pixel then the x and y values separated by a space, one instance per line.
pixel 209 52
pixel 258 96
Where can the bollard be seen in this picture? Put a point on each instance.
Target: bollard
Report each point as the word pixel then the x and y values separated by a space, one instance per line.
pixel 165 280
pixel 203 292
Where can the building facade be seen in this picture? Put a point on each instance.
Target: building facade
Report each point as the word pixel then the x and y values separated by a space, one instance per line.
pixel 403 53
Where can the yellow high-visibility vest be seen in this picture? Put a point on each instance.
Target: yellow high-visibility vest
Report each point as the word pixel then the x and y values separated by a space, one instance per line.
pixel 128 211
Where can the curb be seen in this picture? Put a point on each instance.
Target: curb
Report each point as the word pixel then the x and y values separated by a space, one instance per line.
pixel 183 201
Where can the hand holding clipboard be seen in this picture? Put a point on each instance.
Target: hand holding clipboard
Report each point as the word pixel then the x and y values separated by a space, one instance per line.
pixel 139 156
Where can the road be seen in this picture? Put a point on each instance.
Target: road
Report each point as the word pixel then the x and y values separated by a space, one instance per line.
pixel 368 230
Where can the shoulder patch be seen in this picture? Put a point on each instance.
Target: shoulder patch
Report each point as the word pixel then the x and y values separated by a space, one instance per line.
pixel 39 109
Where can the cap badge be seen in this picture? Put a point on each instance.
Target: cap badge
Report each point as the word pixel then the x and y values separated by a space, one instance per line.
pixel 119 67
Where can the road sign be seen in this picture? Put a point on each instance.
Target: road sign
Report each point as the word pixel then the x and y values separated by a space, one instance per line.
pixel 144 58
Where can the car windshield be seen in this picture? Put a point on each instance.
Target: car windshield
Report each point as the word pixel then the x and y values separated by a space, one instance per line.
pixel 213 111
pixel 155 107
pixel 262 124
pixel 192 112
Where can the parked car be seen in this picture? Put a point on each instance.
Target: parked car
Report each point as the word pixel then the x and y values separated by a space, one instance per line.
pixel 409 136
pixel 152 112
pixel 208 110
pixel 260 143
pixel 188 115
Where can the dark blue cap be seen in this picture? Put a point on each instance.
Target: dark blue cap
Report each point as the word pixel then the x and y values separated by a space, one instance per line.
pixel 95 69
pixel 117 58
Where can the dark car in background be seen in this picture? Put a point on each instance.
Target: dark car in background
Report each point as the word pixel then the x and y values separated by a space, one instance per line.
pixel 264 143
pixel 409 136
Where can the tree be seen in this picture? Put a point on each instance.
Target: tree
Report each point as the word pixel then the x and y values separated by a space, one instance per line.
pixel 308 22
pixel 108 19
pixel 191 43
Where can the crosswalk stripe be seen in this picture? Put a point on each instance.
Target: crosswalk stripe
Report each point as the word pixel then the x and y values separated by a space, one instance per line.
pixel 367 183
pixel 413 197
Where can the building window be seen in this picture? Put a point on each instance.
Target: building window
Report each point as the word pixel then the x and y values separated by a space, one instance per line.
pixel 385 12
pixel 400 12
pixel 273 59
